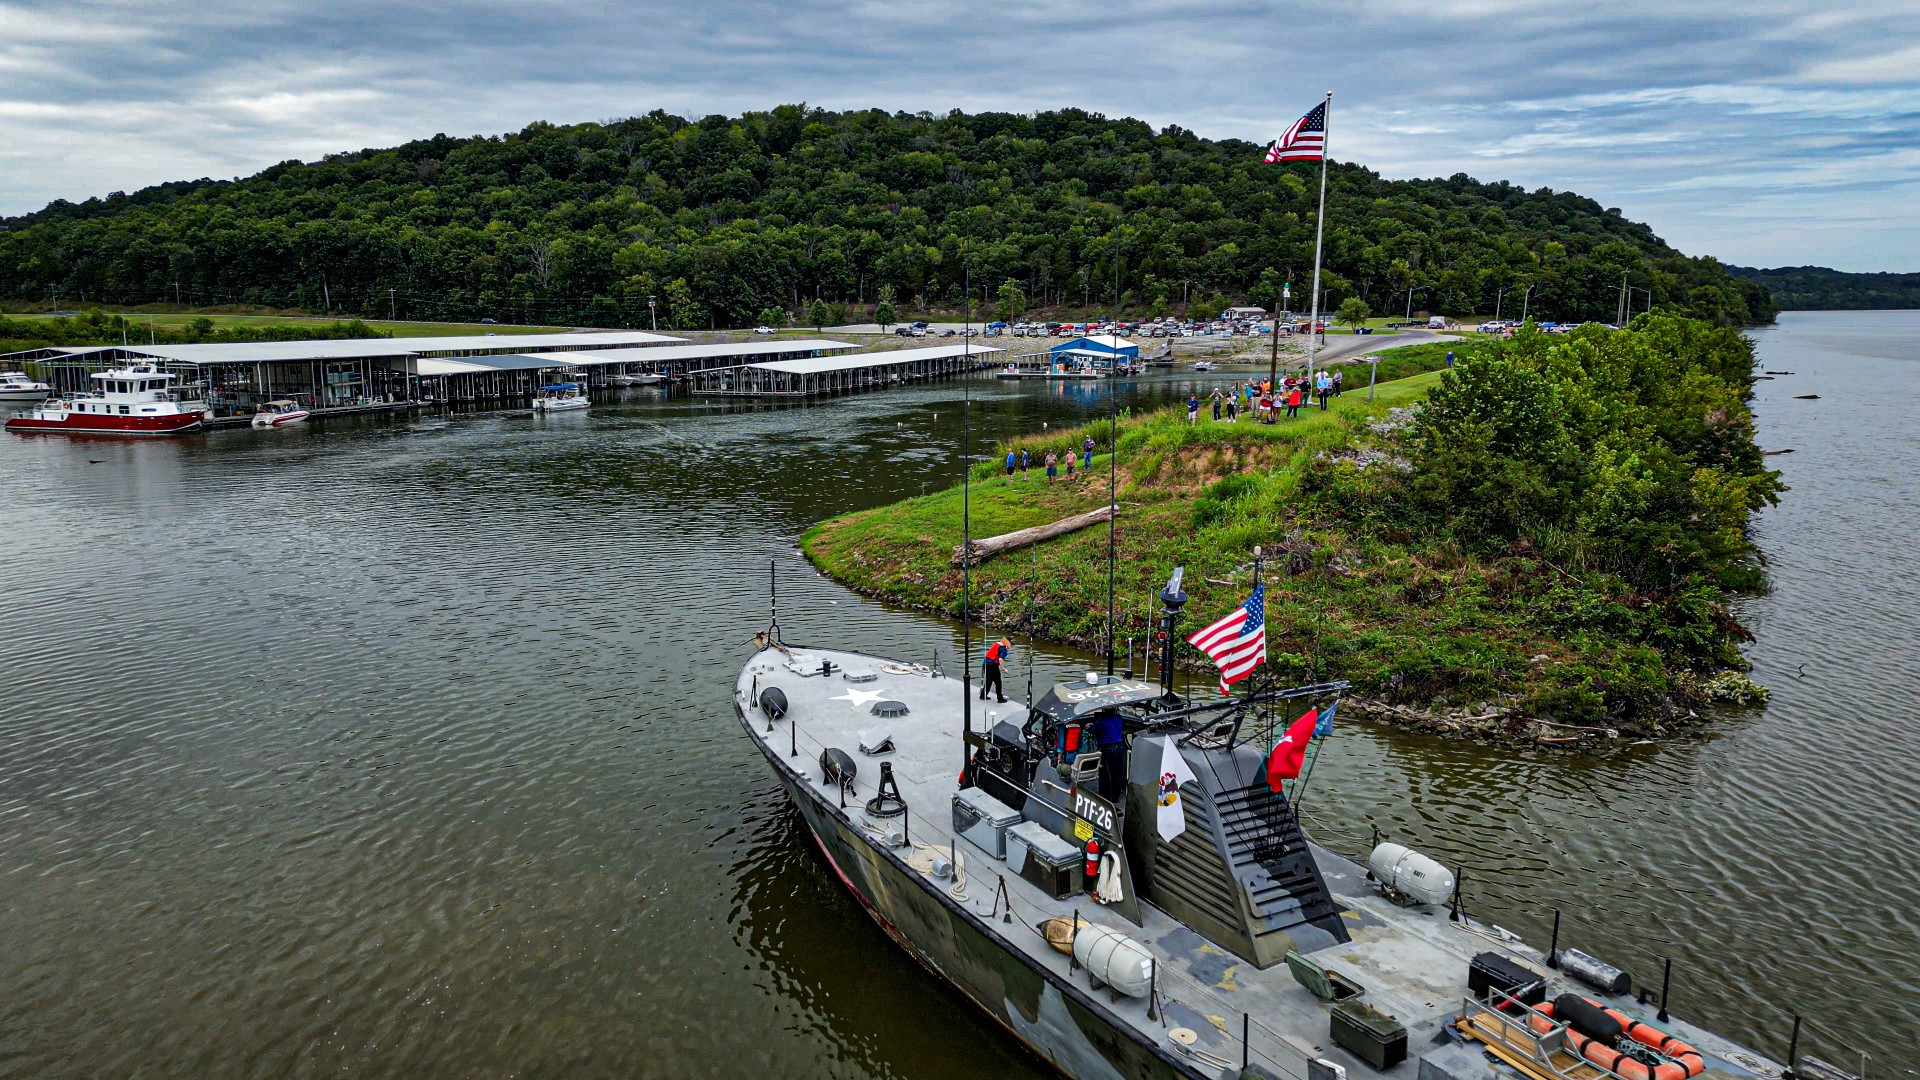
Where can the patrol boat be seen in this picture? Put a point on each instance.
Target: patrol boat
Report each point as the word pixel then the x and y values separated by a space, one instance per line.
pixel 1107 873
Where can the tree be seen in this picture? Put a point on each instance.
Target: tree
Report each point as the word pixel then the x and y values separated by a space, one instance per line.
pixel 883 312
pixel 770 316
pixel 1354 312
pixel 683 311
pixel 1012 301
pixel 819 314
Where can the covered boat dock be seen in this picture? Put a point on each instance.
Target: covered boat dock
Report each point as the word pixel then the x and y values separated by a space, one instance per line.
pixel 235 377
pixel 841 374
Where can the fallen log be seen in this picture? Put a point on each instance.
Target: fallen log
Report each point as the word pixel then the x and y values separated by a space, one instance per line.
pixel 987 548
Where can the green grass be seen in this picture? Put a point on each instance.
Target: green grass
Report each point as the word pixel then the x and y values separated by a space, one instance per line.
pixel 180 321
pixel 1406 619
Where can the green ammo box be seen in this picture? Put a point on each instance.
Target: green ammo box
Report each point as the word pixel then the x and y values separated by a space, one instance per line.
pixel 1373 1036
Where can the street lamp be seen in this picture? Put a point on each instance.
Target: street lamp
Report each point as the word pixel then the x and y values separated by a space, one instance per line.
pixel 653 317
pixel 1525 296
pixel 1410 292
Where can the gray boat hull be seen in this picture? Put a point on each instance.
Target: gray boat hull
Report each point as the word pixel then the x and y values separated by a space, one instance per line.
pixel 1058 1021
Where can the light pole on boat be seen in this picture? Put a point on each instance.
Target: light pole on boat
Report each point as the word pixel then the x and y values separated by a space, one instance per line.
pixel 966 515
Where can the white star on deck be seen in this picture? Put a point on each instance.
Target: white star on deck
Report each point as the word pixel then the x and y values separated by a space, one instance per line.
pixel 858 697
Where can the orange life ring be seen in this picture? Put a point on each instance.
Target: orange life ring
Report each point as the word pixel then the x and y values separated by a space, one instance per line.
pixel 1685 1064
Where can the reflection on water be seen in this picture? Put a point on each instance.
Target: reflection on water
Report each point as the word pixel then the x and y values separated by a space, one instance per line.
pixel 403 747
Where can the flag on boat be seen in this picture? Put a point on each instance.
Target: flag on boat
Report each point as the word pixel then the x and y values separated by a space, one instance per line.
pixel 1170 818
pixel 1325 724
pixel 1290 753
pixel 1237 643
pixel 1306 140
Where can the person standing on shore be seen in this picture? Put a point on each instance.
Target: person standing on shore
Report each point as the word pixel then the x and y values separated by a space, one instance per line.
pixel 1339 383
pixel 1013 462
pixel 1216 404
pixel 1053 466
pixel 1233 402
pixel 1086 452
pixel 1070 461
pixel 1025 462
pixel 995 655
pixel 1293 403
pixel 1193 408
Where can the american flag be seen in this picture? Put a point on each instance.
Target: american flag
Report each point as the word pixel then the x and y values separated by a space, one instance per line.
pixel 1306 140
pixel 1238 642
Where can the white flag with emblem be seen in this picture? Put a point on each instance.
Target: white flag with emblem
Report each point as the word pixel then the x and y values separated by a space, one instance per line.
pixel 1171 818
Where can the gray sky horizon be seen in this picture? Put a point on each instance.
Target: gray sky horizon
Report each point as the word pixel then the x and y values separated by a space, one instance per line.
pixel 1778 133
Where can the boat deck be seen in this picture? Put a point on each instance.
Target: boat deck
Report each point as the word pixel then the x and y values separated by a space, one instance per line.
pixel 1411 962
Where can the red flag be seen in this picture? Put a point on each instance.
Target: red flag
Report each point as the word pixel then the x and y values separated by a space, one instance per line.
pixel 1290 753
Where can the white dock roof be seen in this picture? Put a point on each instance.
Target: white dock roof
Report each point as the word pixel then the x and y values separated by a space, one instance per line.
pixel 818 365
pixel 671 353
pixel 375 348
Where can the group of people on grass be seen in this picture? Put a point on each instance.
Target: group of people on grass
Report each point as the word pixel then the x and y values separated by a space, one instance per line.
pixel 1259 398
pixel 1020 461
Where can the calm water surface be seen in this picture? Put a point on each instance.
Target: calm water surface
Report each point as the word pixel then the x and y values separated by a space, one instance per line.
pixel 404 748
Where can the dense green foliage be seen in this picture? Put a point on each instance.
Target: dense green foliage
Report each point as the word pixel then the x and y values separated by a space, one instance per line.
pixel 1816 288
pixel 98 328
pixel 1555 529
pixel 718 221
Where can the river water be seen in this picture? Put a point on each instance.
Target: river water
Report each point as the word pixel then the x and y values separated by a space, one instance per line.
pixel 405 748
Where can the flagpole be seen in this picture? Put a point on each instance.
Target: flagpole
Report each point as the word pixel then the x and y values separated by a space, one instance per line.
pixel 1319 234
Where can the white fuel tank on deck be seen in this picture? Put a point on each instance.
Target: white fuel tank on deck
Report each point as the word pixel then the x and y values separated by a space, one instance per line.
pixel 1405 870
pixel 1114 959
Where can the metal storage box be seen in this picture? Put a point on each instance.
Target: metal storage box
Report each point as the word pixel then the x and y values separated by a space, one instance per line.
pixel 1043 859
pixel 984 820
pixel 1490 971
pixel 1371 1035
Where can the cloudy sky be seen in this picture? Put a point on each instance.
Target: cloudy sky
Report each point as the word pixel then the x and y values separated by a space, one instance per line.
pixel 1763 132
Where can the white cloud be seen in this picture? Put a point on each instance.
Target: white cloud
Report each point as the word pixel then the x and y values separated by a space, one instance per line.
pixel 1712 124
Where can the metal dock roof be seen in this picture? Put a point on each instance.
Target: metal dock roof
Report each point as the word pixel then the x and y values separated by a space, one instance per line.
pixel 820 365
pixel 372 348
pixel 672 353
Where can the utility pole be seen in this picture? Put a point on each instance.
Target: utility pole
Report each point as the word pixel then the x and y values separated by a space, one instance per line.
pixel 1525 296
pixel 1410 293
pixel 653 317
pixel 176 294
pixel 1621 314
pixel 390 306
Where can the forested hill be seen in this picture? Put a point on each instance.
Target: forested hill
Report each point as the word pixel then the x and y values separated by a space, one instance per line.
pixel 724 220
pixel 1816 288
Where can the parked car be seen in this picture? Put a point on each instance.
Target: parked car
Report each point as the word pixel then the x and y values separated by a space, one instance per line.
pixel 487 322
pixel 968 332
pixel 920 324
pixel 903 331
pixel 763 329
pixel 948 332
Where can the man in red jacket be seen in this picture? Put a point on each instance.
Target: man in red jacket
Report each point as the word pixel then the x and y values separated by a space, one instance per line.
pixel 990 670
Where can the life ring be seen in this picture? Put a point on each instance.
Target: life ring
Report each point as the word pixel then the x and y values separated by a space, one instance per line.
pixel 1684 1062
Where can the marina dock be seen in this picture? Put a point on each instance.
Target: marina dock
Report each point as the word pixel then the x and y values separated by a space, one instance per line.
pixel 821 375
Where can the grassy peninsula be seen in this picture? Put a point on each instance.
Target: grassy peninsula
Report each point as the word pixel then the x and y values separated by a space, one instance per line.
pixel 1534 545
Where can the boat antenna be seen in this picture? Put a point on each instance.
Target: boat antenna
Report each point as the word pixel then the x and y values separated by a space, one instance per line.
pixel 1033 584
pixel 1113 444
pixel 773 600
pixel 966 512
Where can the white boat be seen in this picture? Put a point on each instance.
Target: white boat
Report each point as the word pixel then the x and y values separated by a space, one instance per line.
pixel 134 400
pixel 1202 365
pixel 276 414
pixel 17 389
pixel 560 397
pixel 638 378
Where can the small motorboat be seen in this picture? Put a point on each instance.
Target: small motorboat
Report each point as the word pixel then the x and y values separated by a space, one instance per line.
pixel 560 397
pixel 1203 365
pixel 636 378
pixel 275 414
pixel 17 389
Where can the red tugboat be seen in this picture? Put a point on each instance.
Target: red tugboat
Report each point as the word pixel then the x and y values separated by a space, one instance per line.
pixel 134 400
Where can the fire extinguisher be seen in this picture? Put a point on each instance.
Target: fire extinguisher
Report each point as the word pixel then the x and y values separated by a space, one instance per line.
pixel 1093 864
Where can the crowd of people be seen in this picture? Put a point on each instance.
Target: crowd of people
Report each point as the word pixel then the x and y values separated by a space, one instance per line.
pixel 1260 399
pixel 1020 461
